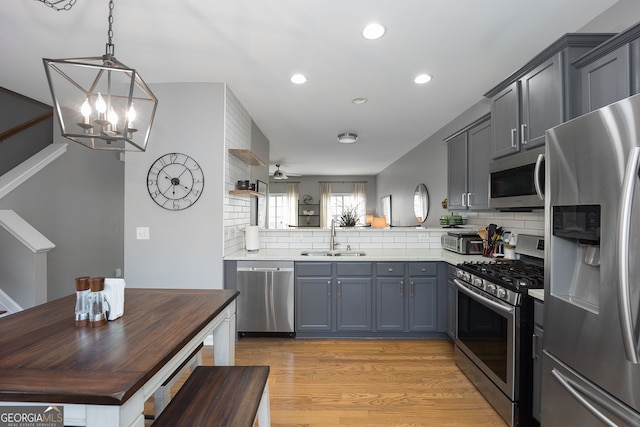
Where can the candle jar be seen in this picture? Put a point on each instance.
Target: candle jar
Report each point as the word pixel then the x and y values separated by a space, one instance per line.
pixel 97 303
pixel 82 301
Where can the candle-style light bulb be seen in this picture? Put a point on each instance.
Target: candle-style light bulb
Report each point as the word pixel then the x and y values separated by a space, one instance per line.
pixel 85 110
pixel 101 106
pixel 131 116
pixel 112 117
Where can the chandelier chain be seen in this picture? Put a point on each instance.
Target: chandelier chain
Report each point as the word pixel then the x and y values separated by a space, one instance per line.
pixel 110 47
pixel 54 4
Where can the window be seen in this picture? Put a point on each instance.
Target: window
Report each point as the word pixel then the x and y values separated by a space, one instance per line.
pixel 338 203
pixel 278 211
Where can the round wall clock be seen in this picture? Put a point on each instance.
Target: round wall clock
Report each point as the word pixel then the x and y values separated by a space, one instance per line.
pixel 175 181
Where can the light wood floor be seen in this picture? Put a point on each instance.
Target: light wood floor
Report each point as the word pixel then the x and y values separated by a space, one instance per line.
pixel 328 383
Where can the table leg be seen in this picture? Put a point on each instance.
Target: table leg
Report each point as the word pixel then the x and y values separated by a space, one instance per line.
pixel 224 339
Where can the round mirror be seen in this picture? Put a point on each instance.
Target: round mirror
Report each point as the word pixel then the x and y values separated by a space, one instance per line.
pixel 421 203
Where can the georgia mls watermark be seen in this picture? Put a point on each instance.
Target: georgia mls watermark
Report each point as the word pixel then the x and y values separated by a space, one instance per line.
pixel 31 416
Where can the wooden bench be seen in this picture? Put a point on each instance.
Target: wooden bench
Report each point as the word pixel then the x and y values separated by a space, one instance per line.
pixel 216 396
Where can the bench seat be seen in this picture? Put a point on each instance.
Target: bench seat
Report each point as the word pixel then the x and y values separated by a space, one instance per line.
pixel 216 396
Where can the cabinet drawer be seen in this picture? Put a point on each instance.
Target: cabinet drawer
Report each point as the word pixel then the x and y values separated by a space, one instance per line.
pixel 390 269
pixel 313 269
pixel 353 269
pixel 423 269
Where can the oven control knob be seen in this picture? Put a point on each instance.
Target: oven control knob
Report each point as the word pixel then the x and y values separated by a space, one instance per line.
pixel 491 288
pixel 477 282
pixel 466 277
pixel 502 293
pixel 460 274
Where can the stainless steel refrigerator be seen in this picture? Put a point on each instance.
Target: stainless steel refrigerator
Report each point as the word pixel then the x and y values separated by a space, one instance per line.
pixel 591 357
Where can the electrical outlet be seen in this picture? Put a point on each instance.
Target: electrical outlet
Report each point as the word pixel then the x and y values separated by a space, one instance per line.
pixel 142 233
pixel 297 236
pixel 423 236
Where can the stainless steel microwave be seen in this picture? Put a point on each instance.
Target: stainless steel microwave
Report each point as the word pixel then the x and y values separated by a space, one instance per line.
pixel 516 182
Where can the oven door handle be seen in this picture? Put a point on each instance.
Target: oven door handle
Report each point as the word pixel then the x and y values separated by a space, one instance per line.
pixel 499 307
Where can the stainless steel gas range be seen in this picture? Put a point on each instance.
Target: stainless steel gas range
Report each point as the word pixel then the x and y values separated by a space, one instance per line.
pixel 494 326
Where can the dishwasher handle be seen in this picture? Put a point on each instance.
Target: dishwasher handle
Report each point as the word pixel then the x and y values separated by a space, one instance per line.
pixel 265 269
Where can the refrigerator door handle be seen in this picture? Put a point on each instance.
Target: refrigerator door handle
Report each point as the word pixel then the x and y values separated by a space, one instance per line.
pixel 624 227
pixel 536 177
pixel 583 401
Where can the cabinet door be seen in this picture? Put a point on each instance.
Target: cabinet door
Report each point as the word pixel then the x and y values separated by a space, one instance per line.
pixel 505 120
pixel 457 172
pixel 354 304
pixel 542 101
pixel 390 304
pixel 452 303
pixel 605 80
pixel 313 304
pixel 478 165
pixel 423 305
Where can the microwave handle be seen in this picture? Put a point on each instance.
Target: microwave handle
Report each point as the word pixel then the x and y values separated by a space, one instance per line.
pixel 536 177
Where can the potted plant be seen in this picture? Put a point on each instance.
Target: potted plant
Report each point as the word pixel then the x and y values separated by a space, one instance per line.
pixel 445 203
pixel 349 217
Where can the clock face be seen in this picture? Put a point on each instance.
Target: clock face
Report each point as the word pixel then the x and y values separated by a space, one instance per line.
pixel 175 181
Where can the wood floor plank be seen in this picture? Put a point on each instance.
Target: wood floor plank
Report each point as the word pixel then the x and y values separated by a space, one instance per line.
pixel 361 382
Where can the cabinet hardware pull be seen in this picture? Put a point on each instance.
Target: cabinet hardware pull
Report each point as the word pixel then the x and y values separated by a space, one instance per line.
pixel 401 288
pixel 523 130
pixel 413 285
pixel 463 201
pixel 534 346
pixel 339 288
pixel 391 270
pixel 329 288
pixel 513 137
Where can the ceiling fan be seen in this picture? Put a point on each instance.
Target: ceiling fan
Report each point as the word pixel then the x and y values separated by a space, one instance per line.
pixel 280 174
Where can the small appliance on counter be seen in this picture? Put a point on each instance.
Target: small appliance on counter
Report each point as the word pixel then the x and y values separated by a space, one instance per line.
pixel 465 243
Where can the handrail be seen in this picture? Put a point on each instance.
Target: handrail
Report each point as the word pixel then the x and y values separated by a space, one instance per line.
pixel 25 232
pixel 25 125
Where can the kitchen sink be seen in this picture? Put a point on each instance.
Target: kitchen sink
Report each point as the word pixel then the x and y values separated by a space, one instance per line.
pixel 332 253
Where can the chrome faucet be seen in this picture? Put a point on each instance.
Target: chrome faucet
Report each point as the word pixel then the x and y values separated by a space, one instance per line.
pixel 332 239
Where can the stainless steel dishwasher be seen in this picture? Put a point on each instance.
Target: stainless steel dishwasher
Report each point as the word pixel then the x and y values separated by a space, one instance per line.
pixel 265 304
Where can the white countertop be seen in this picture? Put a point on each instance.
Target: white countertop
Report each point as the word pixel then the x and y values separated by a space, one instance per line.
pixel 537 294
pixel 371 255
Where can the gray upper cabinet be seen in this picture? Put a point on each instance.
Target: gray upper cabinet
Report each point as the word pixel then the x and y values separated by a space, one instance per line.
pixel 468 156
pixel 540 95
pixel 611 71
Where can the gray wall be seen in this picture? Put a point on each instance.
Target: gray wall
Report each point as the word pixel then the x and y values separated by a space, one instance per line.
pixel 77 203
pixel 185 247
pixel 427 164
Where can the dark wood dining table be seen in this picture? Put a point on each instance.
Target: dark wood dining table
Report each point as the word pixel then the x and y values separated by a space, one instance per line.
pixel 103 376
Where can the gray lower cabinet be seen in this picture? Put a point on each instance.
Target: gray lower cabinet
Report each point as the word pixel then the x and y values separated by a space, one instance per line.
pixel 333 296
pixel 538 335
pixel 407 296
pixel 368 299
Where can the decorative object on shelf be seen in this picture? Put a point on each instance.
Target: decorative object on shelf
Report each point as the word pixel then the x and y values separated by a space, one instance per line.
pixel 347 137
pixel 100 102
pixel 421 203
pixel 349 217
pixel 369 219
pixel 385 208
pixel 242 184
pixel 175 181
pixel 307 199
pixel 379 222
pixel 445 203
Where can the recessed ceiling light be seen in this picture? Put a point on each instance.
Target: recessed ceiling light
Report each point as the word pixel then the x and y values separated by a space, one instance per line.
pixel 298 79
pixel 422 79
pixel 359 100
pixel 347 137
pixel 373 31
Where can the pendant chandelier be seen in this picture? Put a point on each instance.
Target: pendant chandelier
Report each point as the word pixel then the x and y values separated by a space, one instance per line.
pixel 100 102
